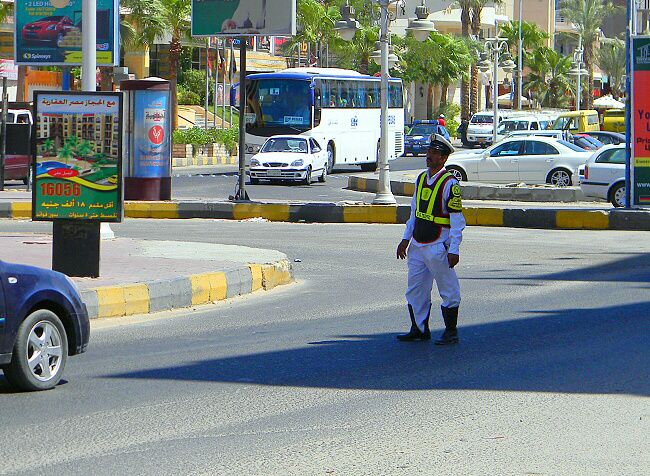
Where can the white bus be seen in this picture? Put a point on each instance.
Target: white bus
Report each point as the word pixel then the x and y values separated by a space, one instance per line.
pixel 340 109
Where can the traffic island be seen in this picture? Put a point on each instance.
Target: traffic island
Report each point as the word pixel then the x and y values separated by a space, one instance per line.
pixel 142 277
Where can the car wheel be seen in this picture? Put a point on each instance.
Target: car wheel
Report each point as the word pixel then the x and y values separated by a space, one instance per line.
pixel 323 176
pixel 59 40
pixel 331 157
pixel 559 178
pixel 40 352
pixel 458 173
pixel 617 195
pixel 307 179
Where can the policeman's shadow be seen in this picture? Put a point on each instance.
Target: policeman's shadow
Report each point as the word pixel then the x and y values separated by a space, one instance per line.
pixel 600 350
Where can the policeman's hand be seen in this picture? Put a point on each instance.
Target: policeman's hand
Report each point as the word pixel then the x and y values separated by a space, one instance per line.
pixel 401 249
pixel 452 259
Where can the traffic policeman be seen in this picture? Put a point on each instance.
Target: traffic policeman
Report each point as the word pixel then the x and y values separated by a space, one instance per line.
pixel 432 237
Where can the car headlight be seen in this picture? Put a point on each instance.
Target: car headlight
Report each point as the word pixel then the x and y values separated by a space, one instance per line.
pixel 297 163
pixel 255 163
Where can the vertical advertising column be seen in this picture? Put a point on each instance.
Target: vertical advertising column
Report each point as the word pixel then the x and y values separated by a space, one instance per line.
pixel 149 171
pixel 640 121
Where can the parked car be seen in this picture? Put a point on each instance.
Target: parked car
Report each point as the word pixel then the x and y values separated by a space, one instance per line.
pixel 578 121
pixel 416 142
pixel 291 158
pixel 587 142
pixel 43 322
pixel 607 137
pixel 530 160
pixel 524 123
pixel 50 29
pixel 550 133
pixel 19 116
pixel 614 120
pixel 603 175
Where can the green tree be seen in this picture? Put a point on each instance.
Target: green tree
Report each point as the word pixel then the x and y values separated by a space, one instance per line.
pixel 315 24
pixel 466 23
pixel 548 79
pixel 611 60
pixel 531 36
pixel 151 19
pixel 588 16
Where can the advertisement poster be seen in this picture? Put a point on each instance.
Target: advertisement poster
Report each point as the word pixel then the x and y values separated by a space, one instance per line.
pixel 152 140
pixel 640 121
pixel 48 32
pixel 243 17
pixel 77 148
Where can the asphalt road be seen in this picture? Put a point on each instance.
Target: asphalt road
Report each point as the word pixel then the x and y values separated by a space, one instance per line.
pixel 551 376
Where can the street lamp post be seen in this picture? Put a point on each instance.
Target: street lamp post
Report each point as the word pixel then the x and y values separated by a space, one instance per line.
pixel 494 49
pixel 578 70
pixel 420 28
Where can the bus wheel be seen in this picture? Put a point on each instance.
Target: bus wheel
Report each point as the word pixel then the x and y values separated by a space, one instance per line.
pixel 331 157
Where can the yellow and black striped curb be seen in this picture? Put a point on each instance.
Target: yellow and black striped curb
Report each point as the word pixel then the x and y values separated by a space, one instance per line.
pixel 545 218
pixel 205 161
pixel 473 191
pixel 184 291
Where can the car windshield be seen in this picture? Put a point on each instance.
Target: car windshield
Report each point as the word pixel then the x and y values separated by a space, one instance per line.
pixel 482 119
pixel 284 144
pixel 423 129
pixel 571 146
pixel 509 126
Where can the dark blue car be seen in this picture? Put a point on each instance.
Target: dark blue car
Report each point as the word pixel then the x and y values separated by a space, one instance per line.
pixel 42 322
pixel 417 140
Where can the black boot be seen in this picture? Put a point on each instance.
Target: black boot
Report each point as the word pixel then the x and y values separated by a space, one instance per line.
pixel 415 333
pixel 450 335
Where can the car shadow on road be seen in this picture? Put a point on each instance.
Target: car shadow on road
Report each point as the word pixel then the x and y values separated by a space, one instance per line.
pixel 598 351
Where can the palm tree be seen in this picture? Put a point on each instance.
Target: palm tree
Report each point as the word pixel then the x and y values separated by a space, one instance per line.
pixel 476 10
pixel 465 21
pixel 453 61
pixel 531 36
pixel 587 16
pixel 356 53
pixel 548 78
pixel 315 24
pixel 151 19
pixel 611 60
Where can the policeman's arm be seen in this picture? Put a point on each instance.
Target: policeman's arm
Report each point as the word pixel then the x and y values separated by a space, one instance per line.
pixel 408 232
pixel 457 220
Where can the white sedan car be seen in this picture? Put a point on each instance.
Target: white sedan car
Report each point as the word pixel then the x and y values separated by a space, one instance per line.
pixel 530 160
pixel 603 176
pixel 292 158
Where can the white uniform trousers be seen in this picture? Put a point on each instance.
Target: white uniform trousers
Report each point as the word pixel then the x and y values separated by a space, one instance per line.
pixel 426 263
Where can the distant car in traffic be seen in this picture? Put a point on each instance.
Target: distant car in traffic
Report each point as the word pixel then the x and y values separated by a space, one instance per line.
pixel 289 158
pixel 586 141
pixel 603 175
pixel 42 322
pixel 416 142
pixel 530 160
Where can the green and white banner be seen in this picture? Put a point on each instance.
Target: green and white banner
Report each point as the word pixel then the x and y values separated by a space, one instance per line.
pixel 243 17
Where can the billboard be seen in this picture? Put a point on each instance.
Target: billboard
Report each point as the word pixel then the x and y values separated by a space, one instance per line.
pixel 77 149
pixel 243 17
pixel 48 32
pixel 640 161
pixel 152 139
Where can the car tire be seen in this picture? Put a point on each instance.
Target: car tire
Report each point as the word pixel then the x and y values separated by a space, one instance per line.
pixel 39 353
pixel 307 179
pixel 59 40
pixel 559 178
pixel 617 195
pixel 458 173
pixel 323 175
pixel 331 157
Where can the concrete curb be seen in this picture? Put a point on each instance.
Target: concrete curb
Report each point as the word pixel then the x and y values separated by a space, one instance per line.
pixel 198 161
pixel 544 218
pixel 184 291
pixel 473 191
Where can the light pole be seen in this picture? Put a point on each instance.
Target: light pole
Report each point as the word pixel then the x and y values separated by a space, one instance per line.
pixel 520 59
pixel 578 70
pixel 420 28
pixel 494 49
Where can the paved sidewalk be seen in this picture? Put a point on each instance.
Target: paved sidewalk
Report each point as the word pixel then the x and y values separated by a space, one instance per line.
pixel 139 276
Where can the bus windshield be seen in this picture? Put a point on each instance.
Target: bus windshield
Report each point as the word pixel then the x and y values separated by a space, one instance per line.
pixel 279 103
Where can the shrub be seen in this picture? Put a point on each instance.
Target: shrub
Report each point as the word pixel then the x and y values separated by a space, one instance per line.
pixel 193 81
pixel 198 137
pixel 452 114
pixel 187 97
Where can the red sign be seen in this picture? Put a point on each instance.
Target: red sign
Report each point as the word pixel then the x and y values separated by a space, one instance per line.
pixel 62 173
pixel 156 135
